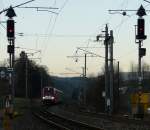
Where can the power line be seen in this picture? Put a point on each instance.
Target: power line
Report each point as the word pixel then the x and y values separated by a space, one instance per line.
pixel 4 10
pixel 74 72
pixel 80 56
pixel 58 35
pixel 23 3
pixel 146 1
pixel 3 26
pixel 90 47
pixel 36 7
pixel 50 32
pixel 90 52
pixel 28 49
pixel 55 23
pixel 48 9
pixel 63 6
pixel 44 35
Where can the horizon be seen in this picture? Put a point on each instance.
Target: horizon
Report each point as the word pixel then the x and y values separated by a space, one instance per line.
pixel 77 25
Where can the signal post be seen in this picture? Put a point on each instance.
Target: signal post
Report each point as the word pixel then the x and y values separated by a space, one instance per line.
pixel 10 49
pixel 140 36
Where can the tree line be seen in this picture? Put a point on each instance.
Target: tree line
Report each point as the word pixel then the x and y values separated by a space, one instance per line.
pixel 28 74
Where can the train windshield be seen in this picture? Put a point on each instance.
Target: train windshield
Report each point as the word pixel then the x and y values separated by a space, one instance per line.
pixel 48 91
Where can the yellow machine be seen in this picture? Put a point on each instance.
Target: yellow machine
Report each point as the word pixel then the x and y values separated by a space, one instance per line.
pixel 140 103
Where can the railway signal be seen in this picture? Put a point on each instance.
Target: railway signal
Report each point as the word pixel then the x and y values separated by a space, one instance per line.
pixel 141 29
pixel 10 49
pixel 141 24
pixel 142 52
pixel 10 28
pixel 139 38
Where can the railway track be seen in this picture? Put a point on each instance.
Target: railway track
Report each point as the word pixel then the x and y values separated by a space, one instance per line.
pixel 120 119
pixel 113 121
pixel 61 122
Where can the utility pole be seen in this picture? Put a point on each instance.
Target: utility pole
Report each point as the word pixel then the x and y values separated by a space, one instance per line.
pixel 107 98
pixel 24 58
pixel 111 41
pixel 26 61
pixel 83 71
pixel 109 71
pixel 41 81
pixel 118 95
pixel 85 66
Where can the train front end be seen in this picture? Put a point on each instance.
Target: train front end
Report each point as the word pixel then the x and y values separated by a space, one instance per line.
pixel 48 96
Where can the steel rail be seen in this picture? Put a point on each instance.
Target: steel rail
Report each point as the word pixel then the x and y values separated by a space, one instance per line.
pixel 119 119
pixel 49 121
pixel 77 123
pixel 67 123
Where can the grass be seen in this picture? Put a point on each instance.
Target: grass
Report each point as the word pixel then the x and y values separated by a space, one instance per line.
pixel 20 105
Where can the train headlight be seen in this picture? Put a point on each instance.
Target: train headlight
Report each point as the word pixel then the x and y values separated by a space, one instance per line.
pixel 52 98
pixel 148 110
pixel 43 97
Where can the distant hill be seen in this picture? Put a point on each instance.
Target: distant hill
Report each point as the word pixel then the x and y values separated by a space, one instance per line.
pixel 69 85
pixel 134 75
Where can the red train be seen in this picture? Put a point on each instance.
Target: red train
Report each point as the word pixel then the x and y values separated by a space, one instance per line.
pixel 51 95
